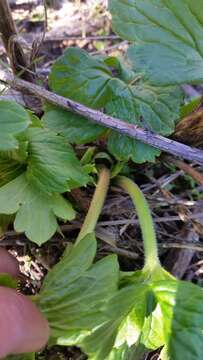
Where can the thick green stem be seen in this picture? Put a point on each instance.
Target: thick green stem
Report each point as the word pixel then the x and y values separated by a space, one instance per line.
pixel 146 222
pixel 96 204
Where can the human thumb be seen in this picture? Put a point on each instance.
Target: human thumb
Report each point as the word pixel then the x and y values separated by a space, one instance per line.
pixel 22 327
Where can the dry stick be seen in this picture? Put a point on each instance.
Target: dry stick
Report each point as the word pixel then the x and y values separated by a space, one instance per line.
pixel 162 219
pixel 122 252
pixel 75 225
pixel 13 48
pixel 183 246
pixel 75 38
pixel 18 60
pixel 133 131
pixel 196 175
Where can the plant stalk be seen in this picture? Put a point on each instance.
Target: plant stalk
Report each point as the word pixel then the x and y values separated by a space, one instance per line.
pixel 96 205
pixel 146 223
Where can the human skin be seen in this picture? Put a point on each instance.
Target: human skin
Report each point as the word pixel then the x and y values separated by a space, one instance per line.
pixel 22 327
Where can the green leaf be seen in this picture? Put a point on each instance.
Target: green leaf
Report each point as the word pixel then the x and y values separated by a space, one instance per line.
pixel 75 260
pixel 128 98
pixel 155 108
pixel 168 36
pixel 125 313
pixel 87 157
pixel 35 121
pixel 126 353
pixel 121 353
pixel 30 356
pixel 14 120
pixel 32 178
pixel 122 68
pixel 8 142
pixel 7 280
pixel 75 291
pixel 188 108
pixel 76 129
pixel 52 164
pixel 159 108
pixel 125 148
pixel 81 77
pixel 182 307
pixel 36 210
pixel 153 331
pixel 164 354
pixel 176 322
pixel 9 170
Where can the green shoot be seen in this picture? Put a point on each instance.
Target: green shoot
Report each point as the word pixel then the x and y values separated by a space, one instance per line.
pixel 96 205
pixel 146 223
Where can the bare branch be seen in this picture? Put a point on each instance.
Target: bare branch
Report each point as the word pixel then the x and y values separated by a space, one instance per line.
pixel 170 146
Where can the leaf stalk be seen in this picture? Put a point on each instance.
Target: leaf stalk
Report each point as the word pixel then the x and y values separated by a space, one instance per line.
pixel 96 204
pixel 146 223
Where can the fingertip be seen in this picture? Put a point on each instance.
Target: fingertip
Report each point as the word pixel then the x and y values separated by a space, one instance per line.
pixel 8 263
pixel 22 327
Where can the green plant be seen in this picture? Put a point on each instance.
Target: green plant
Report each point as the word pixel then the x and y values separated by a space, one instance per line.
pixel 168 36
pixel 21 357
pixel 36 166
pixel 110 314
pixel 118 315
pixel 111 84
pixel 151 308
pixel 142 87
pixel 75 290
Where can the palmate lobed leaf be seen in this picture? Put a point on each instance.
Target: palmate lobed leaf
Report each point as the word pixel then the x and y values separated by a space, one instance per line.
pixel 52 164
pixel 109 314
pixel 33 176
pixel 168 36
pixel 174 321
pixel 35 210
pixel 75 291
pixel 182 308
pixel 122 96
pixel 125 313
pixel 13 121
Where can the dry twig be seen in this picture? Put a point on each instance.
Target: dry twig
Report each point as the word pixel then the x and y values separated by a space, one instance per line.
pixel 196 175
pixel 133 131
